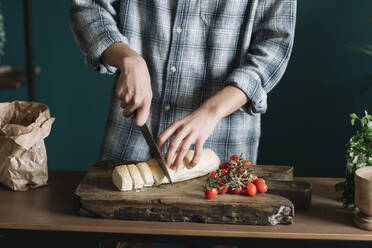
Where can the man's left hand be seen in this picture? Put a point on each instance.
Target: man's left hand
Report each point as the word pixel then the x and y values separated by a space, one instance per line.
pixel 193 129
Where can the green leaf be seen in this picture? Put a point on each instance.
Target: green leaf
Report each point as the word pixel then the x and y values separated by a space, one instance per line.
pixel 353 116
pixel 363 121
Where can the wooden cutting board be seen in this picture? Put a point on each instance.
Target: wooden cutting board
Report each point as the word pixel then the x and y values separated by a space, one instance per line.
pixel 96 196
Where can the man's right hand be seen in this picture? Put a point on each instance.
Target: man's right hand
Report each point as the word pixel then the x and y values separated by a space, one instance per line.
pixel 134 83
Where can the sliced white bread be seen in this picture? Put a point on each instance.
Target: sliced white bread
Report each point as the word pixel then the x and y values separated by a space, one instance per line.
pixel 146 174
pixel 121 178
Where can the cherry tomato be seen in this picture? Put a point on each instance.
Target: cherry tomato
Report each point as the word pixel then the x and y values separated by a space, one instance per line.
pixel 259 180
pixel 240 171
pixel 223 190
pixel 261 187
pixel 234 157
pixel 250 189
pixel 224 165
pixel 244 176
pixel 213 174
pixel 211 193
pixel 253 177
pixel 247 163
pixel 224 172
pixel 236 190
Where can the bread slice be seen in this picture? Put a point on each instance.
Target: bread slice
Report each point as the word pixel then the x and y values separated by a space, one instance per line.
pixel 146 174
pixel 136 176
pixel 157 172
pixel 121 178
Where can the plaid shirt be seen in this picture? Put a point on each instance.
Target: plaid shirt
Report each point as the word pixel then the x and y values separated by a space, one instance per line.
pixel 193 49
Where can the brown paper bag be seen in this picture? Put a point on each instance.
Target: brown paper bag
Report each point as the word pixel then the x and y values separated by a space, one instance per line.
pixel 23 158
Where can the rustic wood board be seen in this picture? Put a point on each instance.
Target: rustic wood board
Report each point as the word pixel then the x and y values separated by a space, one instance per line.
pixel 298 192
pixel 96 196
pixel 274 172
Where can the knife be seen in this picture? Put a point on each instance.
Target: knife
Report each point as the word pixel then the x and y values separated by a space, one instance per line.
pixel 154 151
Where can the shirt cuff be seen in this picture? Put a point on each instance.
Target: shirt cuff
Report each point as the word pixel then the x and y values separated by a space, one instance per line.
pixel 93 58
pixel 257 103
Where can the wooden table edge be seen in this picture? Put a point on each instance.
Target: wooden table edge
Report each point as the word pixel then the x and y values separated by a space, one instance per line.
pixel 198 233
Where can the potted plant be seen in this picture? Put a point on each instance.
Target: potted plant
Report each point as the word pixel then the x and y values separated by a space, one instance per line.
pixel 358 155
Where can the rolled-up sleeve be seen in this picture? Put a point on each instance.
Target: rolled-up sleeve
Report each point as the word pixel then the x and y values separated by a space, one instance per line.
pixel 95 28
pixel 264 64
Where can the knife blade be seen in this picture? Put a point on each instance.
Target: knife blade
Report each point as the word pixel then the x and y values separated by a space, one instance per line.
pixel 154 151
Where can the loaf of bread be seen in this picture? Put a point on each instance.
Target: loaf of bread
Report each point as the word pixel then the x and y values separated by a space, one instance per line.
pixel 150 173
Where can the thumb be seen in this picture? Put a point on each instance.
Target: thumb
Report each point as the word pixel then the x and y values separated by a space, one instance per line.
pixel 141 115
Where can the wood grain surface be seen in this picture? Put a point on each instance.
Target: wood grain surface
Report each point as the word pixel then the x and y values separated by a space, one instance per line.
pixel 96 196
pixel 50 208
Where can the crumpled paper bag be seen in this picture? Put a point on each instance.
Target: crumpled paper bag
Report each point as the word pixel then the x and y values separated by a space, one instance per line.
pixel 23 157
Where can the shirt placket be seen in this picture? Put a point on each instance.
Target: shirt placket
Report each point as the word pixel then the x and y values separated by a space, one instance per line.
pixel 172 79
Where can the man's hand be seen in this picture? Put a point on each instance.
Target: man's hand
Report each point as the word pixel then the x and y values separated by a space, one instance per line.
pixel 195 128
pixel 134 83
pixel 134 89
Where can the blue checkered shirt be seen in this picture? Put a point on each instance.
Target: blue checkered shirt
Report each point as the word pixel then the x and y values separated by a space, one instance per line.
pixel 193 49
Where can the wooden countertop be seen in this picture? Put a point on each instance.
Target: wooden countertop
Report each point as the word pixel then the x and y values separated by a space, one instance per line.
pixel 51 209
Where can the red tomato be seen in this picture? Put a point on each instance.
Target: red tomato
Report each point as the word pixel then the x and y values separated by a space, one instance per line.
pixel 259 180
pixel 261 187
pixel 240 171
pixel 236 190
pixel 250 189
pixel 244 176
pixel 211 193
pixel 224 172
pixel 234 157
pixel 253 177
pixel 224 165
pixel 247 163
pixel 213 174
pixel 223 190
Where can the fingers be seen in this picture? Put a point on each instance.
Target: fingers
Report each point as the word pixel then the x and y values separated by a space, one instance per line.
pixel 134 90
pixel 118 92
pixel 182 152
pixel 129 109
pixel 125 101
pixel 167 133
pixel 142 114
pixel 131 103
pixel 197 153
pixel 179 135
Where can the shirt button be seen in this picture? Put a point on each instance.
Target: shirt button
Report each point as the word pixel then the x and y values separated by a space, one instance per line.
pixel 173 69
pixel 179 30
pixel 166 107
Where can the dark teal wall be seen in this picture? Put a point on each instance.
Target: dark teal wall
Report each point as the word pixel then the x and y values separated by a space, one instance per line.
pixel 307 122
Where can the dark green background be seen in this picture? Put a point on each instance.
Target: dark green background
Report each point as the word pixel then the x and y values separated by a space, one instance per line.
pixel 307 123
